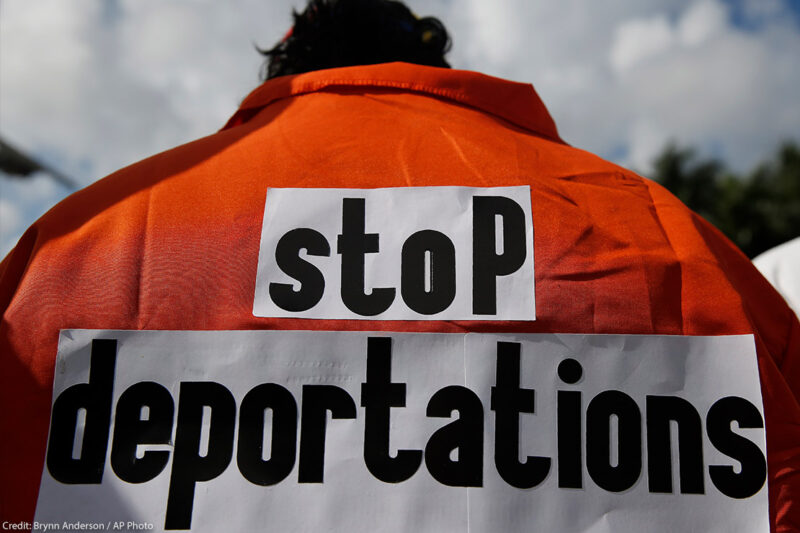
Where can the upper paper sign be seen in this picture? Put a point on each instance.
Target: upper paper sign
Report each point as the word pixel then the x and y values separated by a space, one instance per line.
pixel 357 432
pixel 405 253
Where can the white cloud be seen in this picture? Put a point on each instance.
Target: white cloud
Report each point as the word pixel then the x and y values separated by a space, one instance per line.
pixel 638 40
pixel 729 91
pixel 22 201
pixel 111 82
pixel 646 138
pixel 487 21
pixel 10 217
pixel 702 21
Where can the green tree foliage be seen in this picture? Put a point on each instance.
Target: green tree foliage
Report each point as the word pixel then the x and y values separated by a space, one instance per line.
pixel 756 211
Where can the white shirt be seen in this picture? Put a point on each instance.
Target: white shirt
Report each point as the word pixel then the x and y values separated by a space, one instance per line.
pixel 781 266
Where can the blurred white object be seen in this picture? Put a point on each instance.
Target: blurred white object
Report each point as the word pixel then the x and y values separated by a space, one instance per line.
pixel 781 266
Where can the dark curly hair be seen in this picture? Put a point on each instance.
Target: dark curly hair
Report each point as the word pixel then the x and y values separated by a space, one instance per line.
pixel 340 33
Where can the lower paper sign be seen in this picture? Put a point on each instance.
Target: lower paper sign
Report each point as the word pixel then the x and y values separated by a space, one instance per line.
pixel 358 431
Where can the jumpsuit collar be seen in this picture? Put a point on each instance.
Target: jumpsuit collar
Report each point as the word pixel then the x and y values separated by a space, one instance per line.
pixel 515 102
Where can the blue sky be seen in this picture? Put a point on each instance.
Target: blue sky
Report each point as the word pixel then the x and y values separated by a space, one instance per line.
pixel 743 16
pixel 90 86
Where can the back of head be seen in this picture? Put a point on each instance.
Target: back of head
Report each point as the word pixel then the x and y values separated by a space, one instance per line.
pixel 340 33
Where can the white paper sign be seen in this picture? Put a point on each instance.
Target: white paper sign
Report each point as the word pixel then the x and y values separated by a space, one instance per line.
pixel 396 432
pixel 405 253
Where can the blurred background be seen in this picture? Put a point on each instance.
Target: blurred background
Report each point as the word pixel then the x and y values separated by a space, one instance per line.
pixel 702 95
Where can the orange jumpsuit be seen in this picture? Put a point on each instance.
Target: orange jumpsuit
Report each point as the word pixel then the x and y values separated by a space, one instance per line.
pixel 171 243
